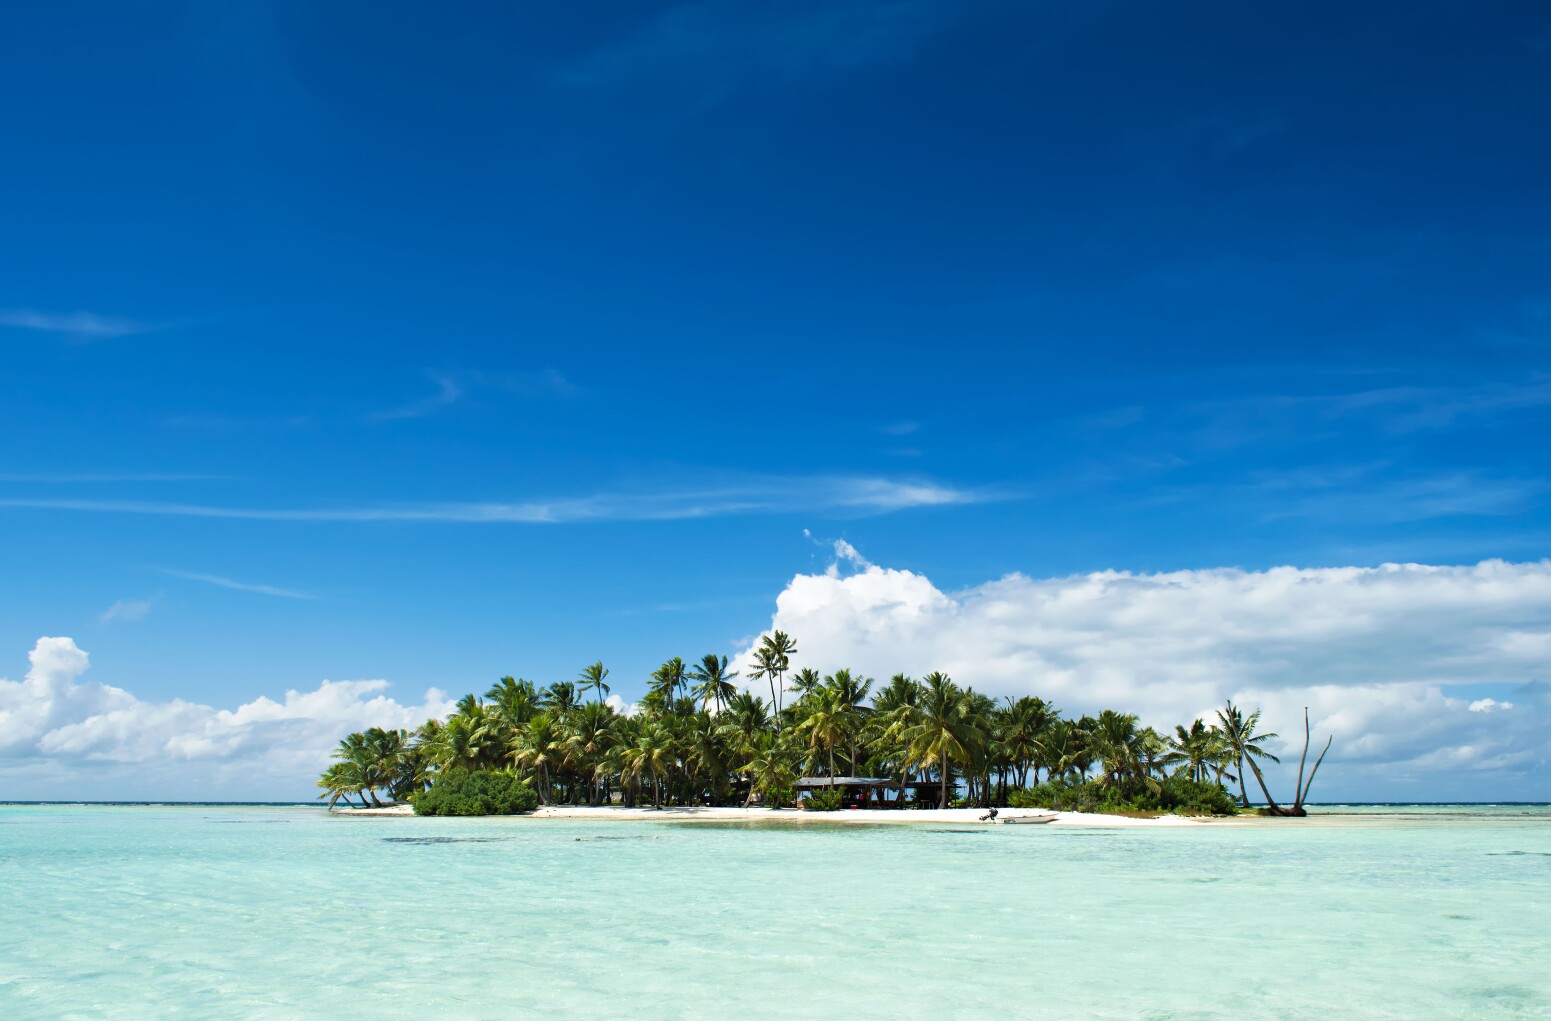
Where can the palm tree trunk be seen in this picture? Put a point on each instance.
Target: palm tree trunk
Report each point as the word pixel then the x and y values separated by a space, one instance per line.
pixel 943 802
pixel 1271 804
pixel 1243 795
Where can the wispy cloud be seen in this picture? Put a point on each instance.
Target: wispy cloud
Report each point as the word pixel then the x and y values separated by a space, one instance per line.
pixel 81 325
pixel 899 428
pixel 453 387
pixel 109 477
pixel 448 393
pixel 842 495
pixel 238 586
pixel 126 611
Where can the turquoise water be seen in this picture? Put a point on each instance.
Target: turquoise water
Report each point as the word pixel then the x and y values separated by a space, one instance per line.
pixel 274 912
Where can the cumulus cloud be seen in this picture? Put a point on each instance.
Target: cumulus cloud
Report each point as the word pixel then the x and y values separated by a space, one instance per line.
pixel 1376 653
pixel 63 736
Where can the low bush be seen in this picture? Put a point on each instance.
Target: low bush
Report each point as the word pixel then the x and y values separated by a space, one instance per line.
pixel 826 799
pixel 482 792
pixel 1174 794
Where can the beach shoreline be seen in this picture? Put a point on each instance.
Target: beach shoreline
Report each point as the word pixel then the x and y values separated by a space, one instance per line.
pixel 868 816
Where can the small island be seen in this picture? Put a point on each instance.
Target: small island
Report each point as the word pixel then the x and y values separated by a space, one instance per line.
pixel 697 740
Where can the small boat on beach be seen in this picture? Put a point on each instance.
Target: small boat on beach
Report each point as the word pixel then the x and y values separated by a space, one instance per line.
pixel 1021 819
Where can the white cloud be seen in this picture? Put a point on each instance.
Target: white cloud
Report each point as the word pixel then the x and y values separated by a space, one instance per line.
pixel 239 586
pixel 62 736
pixel 1487 705
pixel 85 325
pixel 1372 652
pixel 126 610
pixel 843 495
pixel 622 707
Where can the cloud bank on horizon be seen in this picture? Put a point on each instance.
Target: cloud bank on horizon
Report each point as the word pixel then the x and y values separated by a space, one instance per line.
pixel 1431 678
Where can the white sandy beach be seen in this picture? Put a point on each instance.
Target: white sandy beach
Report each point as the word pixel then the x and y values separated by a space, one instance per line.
pixel 605 813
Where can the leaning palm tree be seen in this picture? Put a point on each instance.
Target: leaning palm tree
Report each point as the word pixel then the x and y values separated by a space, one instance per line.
pixel 1239 733
pixel 592 680
pixel 713 683
pixel 341 780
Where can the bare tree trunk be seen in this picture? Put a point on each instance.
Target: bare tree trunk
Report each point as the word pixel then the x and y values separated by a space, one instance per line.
pixel 1304 792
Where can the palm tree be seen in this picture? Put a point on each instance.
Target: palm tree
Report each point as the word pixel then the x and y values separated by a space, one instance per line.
pixel 770 769
pixel 850 693
pixel 1191 749
pixel 805 682
pixel 947 732
pixel 894 715
pixel 590 734
pixel 653 754
pixel 592 679
pixel 1024 723
pixel 1239 732
pixel 772 659
pixel 705 754
pixel 666 680
pixel 824 723
pixel 539 747
pixel 713 682
pixel 559 698
pixel 341 780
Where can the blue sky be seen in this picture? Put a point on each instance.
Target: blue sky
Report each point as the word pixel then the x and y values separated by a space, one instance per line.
pixel 384 341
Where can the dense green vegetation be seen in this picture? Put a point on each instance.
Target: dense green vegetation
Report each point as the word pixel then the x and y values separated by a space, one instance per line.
pixel 485 792
pixel 697 738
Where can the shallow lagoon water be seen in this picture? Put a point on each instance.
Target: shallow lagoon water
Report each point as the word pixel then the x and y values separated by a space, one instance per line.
pixel 274 912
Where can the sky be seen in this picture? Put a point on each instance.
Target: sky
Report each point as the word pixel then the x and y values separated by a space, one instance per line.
pixel 353 356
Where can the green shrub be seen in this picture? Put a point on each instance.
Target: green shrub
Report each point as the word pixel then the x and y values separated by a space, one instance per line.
pixel 826 799
pixel 1173 794
pixel 1186 796
pixel 478 793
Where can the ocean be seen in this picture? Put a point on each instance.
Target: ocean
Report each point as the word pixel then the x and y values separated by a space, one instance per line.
pixel 281 912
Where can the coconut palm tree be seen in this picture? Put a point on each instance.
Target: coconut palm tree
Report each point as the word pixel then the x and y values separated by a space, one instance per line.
pixel 771 769
pixel 666 681
pixel 712 681
pixel 824 724
pixel 1191 749
pixel 805 682
pixel 1240 733
pixel 772 659
pixel 894 715
pixel 947 731
pixel 851 695
pixel 559 698
pixel 590 733
pixel 539 747
pixel 1022 733
pixel 654 753
pixel 592 680
pixel 340 780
